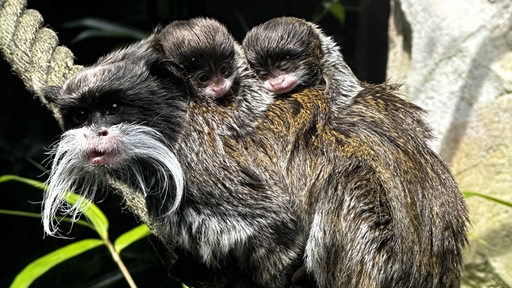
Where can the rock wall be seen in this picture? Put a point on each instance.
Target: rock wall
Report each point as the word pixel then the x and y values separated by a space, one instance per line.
pixel 455 60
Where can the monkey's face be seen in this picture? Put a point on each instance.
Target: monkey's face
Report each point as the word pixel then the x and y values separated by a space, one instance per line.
pixel 121 120
pixel 284 72
pixel 202 51
pixel 286 68
pixel 285 53
pixel 213 80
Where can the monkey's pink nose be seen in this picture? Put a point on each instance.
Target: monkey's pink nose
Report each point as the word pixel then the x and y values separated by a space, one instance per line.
pixel 218 87
pixel 101 148
pixel 282 83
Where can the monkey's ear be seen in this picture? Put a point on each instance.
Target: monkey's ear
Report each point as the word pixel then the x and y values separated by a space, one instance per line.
pixel 175 67
pixel 167 68
pixel 165 72
pixel 52 94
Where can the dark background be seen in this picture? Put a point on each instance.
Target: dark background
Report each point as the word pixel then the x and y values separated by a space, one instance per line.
pixel 27 129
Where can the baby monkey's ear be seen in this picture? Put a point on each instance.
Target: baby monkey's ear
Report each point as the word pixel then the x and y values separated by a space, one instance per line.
pixel 174 67
pixel 168 69
pixel 52 94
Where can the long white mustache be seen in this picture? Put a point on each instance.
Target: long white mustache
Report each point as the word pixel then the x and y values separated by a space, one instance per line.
pixel 72 170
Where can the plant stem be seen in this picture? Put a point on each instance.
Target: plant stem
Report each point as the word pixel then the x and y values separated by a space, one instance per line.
pixel 120 263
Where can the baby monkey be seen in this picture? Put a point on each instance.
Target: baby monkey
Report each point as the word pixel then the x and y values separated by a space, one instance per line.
pixel 202 51
pixel 285 53
pixel 289 54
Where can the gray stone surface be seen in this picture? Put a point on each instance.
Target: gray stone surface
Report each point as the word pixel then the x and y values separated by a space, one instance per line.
pixel 455 60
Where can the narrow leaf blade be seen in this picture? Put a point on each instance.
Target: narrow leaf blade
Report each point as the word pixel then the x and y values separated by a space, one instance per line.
pixel 31 182
pixel 92 212
pixel 41 265
pixel 127 238
pixel 468 194
pixel 338 10
pixel 38 216
pixel 89 209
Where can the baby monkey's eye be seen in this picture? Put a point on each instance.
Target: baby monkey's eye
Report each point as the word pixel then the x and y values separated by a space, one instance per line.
pixel 112 109
pixel 203 78
pixel 262 74
pixel 225 70
pixel 284 65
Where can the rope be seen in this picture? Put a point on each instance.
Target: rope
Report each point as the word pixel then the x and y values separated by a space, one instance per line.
pixel 32 50
pixel 35 57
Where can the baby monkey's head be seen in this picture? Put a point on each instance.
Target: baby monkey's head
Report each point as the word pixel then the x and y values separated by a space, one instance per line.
pixel 285 53
pixel 204 53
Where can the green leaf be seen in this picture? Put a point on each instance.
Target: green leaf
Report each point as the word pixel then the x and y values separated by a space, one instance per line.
pixel 337 10
pixel 92 212
pixel 127 238
pixel 41 265
pixel 38 215
pixel 20 213
pixel 31 182
pixel 468 194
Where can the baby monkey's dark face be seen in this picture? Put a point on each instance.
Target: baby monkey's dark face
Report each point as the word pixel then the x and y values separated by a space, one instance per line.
pixel 122 117
pixel 285 53
pixel 202 51
pixel 212 78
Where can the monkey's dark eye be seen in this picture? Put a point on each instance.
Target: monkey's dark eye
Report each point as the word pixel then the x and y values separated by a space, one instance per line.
pixel 284 65
pixel 262 74
pixel 112 109
pixel 225 70
pixel 203 78
pixel 79 115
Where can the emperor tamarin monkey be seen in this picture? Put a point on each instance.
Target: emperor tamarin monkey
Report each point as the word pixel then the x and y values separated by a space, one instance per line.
pixel 202 51
pixel 205 192
pixel 289 53
pixel 354 193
